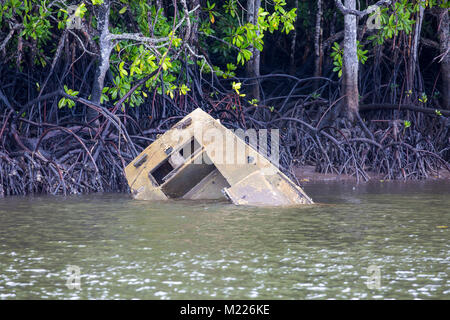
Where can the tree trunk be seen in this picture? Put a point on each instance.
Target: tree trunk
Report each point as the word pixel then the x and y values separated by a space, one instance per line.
pixel 318 51
pixel 444 46
pixel 194 32
pixel 105 52
pixel 250 19
pixel 292 66
pixel 254 63
pixel 413 61
pixel 350 62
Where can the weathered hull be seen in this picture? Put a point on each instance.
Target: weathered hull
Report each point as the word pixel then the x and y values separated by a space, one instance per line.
pixel 201 159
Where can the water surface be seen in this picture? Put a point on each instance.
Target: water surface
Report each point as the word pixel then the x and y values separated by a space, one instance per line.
pixel 185 250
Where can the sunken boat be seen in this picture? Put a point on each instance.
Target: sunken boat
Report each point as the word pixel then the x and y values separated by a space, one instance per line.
pixel 200 159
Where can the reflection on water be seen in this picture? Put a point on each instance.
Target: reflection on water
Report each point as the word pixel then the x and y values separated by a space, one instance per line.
pixel 182 250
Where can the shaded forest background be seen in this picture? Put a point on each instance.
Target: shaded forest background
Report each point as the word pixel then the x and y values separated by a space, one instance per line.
pixel 356 87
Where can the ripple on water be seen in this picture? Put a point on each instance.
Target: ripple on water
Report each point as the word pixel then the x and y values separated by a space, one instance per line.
pixel 128 249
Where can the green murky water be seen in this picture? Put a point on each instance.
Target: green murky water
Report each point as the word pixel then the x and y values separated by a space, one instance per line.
pixel 180 250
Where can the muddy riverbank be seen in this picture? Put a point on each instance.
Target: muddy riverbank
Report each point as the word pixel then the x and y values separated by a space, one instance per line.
pixel 309 174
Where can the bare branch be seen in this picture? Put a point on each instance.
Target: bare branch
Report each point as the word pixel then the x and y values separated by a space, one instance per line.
pixel 136 37
pixel 429 43
pixel 150 40
pixel 363 13
pixel 8 37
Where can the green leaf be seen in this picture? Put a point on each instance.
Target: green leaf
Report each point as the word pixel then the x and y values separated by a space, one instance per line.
pixel 61 103
pixel 184 89
pixel 123 10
